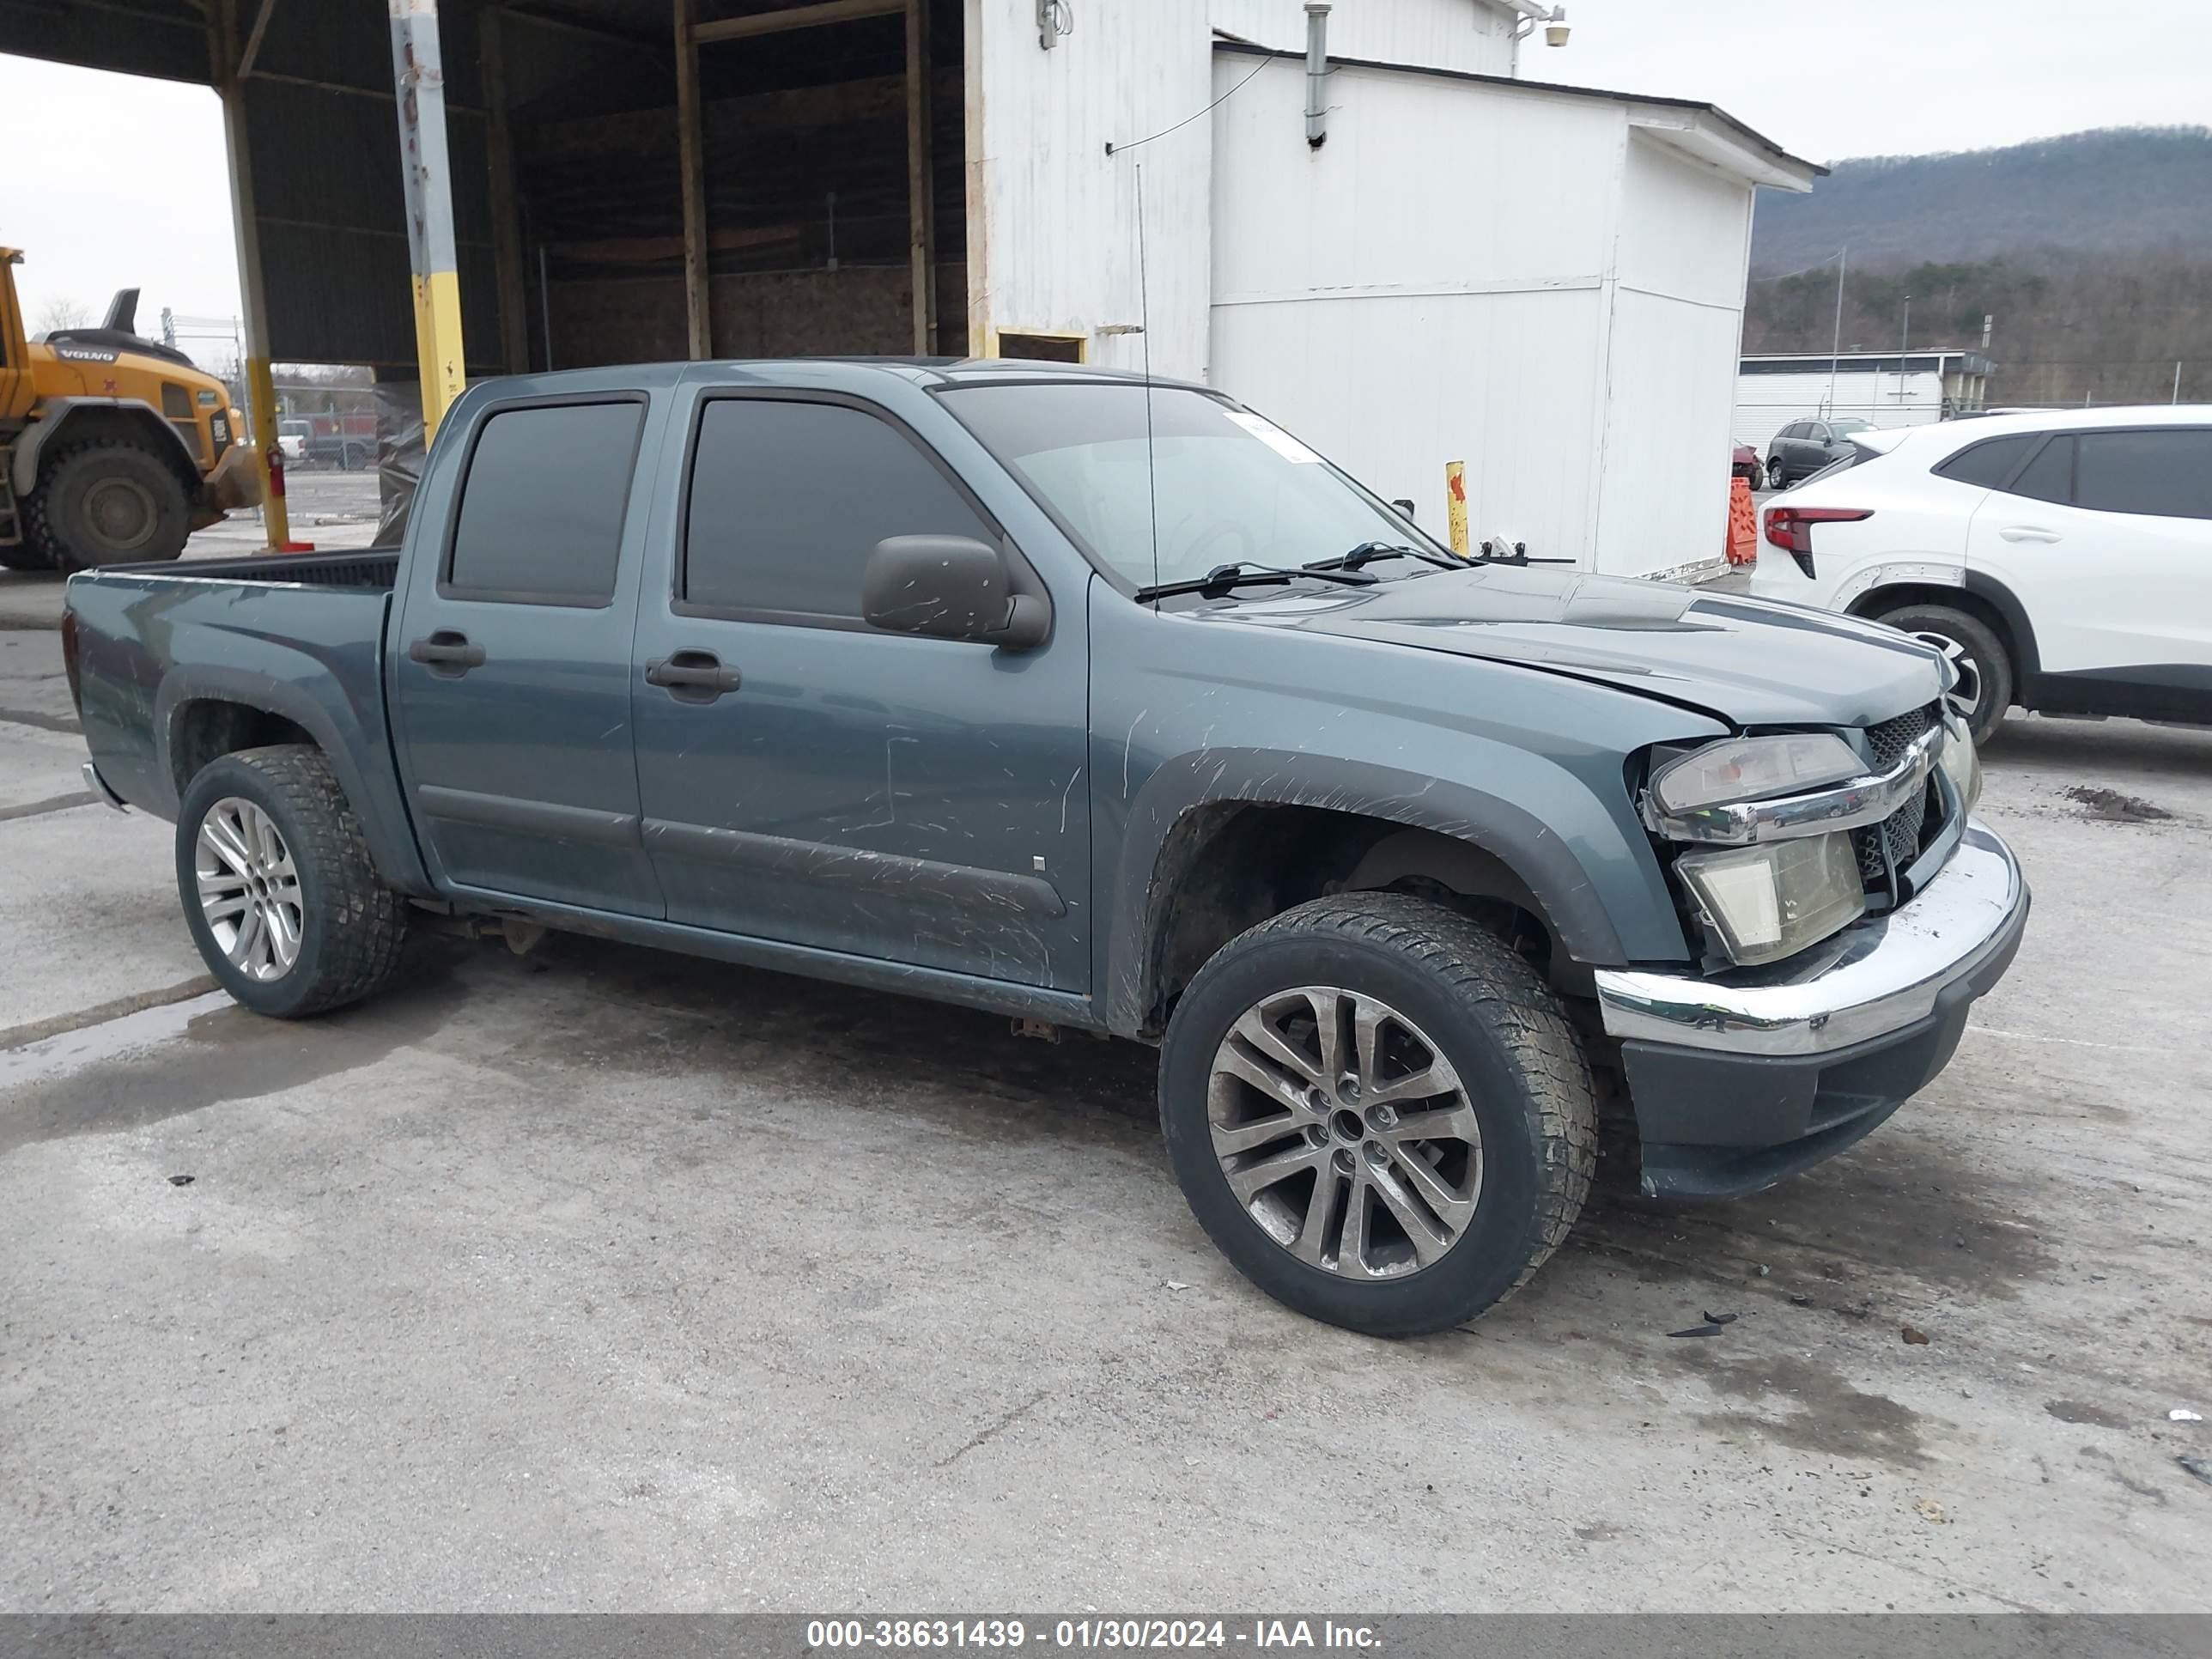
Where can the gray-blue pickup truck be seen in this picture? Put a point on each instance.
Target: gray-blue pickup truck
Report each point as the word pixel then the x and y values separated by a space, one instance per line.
pixel 1104 704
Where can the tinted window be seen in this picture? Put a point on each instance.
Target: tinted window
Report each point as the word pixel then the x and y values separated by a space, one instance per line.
pixel 1165 486
pixel 2050 476
pixel 541 508
pixel 789 499
pixel 1987 464
pixel 2168 473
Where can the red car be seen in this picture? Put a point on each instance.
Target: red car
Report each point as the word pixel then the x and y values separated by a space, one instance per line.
pixel 1744 463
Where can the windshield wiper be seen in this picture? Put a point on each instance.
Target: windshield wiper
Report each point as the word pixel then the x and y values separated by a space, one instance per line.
pixel 1223 577
pixel 1368 552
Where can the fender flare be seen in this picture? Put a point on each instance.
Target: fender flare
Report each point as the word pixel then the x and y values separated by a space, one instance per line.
pixel 384 823
pixel 1533 852
pixel 2027 664
pixel 34 438
pixel 1908 573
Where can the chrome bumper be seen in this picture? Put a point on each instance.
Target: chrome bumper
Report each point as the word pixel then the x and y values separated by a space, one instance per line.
pixel 1875 977
pixel 98 785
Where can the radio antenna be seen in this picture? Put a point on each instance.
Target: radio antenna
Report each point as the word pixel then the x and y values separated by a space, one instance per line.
pixel 1145 331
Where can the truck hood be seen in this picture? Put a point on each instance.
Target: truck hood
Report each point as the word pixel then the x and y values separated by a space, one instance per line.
pixel 1751 662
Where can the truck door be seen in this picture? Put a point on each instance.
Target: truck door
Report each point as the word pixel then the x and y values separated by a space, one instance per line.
pixel 807 779
pixel 509 668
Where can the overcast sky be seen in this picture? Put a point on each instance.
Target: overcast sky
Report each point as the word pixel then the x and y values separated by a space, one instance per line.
pixel 140 196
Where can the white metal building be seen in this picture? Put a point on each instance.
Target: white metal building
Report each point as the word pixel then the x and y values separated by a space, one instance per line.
pixel 1545 283
pixel 1880 388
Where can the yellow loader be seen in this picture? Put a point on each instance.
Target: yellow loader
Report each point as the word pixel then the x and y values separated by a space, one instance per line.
pixel 112 448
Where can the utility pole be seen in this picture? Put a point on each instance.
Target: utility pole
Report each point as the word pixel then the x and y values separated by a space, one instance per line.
pixel 229 60
pixel 2177 382
pixel 419 78
pixel 1836 343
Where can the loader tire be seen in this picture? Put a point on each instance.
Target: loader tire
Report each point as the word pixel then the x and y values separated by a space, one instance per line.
pixel 113 501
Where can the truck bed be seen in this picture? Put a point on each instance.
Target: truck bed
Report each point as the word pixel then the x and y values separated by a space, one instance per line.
pixel 272 649
pixel 363 568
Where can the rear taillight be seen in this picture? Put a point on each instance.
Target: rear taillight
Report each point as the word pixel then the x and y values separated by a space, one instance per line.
pixel 1790 528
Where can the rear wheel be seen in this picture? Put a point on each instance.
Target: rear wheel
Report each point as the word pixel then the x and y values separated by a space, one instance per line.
pixel 1378 1112
pixel 112 501
pixel 1985 685
pixel 278 888
pixel 1757 477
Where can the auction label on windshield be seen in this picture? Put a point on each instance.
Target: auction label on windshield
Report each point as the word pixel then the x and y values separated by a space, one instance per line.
pixel 1089 1633
pixel 1273 436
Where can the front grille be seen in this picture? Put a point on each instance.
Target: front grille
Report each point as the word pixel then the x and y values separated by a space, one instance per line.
pixel 1890 739
pixel 1892 845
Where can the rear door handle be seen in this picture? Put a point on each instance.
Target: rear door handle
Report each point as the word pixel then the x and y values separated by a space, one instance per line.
pixel 2027 532
pixel 692 675
pixel 448 653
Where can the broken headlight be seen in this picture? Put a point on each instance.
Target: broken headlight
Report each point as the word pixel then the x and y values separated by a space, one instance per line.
pixel 1959 761
pixel 1752 769
pixel 1769 902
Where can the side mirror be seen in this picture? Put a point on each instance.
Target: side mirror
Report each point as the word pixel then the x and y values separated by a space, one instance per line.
pixel 1405 506
pixel 951 588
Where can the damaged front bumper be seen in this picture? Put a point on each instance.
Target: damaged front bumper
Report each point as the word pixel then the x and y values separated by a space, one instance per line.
pixel 1741 1080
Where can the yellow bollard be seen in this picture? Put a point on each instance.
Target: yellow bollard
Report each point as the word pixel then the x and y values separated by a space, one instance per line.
pixel 1456 504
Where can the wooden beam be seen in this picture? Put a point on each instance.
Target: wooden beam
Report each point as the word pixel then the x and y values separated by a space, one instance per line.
pixel 699 325
pixel 658 249
pixel 505 214
pixel 921 180
pixel 795 17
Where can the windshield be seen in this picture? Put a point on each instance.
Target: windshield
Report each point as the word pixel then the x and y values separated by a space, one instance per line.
pixel 1231 489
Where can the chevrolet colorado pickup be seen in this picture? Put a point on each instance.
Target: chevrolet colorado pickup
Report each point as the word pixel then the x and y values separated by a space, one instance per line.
pixel 1108 705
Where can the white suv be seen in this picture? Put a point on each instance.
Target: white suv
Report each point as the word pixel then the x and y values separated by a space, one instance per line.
pixel 2062 559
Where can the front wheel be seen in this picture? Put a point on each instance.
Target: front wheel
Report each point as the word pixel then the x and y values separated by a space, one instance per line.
pixel 1759 477
pixel 1986 685
pixel 1378 1112
pixel 1774 478
pixel 24 555
pixel 278 888
pixel 112 501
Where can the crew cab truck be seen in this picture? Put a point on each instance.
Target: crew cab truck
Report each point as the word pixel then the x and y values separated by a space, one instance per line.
pixel 1109 705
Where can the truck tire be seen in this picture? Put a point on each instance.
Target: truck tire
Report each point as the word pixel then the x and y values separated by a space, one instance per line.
pixel 1409 1173
pixel 278 888
pixel 109 502
pixel 25 555
pixel 1986 683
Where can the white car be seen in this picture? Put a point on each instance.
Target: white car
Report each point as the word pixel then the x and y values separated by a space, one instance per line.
pixel 2062 558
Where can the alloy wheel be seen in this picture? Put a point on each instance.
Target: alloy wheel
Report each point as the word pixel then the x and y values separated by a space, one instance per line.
pixel 1343 1133
pixel 249 888
pixel 1964 697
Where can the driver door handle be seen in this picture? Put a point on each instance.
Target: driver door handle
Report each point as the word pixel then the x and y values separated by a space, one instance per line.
pixel 2027 532
pixel 446 651
pixel 692 675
